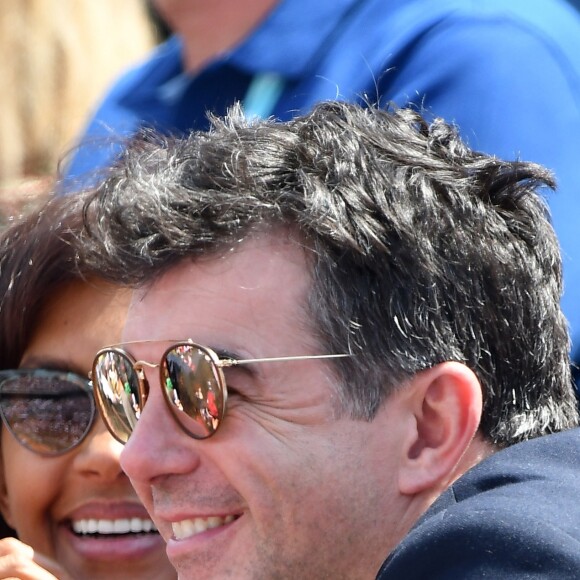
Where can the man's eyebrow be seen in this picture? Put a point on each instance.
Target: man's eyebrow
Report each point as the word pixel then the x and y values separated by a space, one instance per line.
pixel 253 370
pixel 224 353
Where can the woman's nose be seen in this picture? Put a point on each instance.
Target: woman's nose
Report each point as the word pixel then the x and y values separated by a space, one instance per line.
pixel 98 455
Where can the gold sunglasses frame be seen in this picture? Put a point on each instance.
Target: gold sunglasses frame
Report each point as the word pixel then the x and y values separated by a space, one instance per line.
pixel 214 359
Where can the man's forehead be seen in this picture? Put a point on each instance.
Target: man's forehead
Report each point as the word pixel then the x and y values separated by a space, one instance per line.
pixel 273 249
pixel 264 276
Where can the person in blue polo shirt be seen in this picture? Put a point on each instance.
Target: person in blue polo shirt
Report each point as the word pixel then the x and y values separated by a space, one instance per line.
pixel 507 73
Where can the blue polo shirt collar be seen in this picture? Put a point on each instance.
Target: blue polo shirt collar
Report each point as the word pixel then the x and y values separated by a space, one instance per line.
pixel 286 42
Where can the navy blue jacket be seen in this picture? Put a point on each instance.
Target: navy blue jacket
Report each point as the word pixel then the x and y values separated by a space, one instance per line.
pixel 514 515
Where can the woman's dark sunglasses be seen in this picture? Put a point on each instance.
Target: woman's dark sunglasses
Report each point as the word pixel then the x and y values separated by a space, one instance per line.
pixel 48 412
pixel 194 386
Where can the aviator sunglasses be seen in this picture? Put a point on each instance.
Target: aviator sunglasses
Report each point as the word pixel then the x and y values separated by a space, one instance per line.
pixel 48 412
pixel 193 385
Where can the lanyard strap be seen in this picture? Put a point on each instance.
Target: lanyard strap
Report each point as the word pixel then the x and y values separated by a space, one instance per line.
pixel 262 95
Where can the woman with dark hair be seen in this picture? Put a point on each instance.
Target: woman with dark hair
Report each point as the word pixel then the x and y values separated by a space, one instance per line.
pixel 61 485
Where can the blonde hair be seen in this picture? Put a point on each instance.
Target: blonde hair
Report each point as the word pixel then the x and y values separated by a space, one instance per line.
pixel 58 57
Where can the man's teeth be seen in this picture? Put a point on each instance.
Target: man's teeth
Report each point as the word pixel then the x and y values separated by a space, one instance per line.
pixel 120 526
pixel 187 528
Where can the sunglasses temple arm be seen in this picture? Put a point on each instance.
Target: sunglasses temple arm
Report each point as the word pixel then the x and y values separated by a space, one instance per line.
pixel 234 362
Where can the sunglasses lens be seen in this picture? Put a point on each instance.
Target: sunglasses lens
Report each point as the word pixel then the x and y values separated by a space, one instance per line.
pixel 47 412
pixel 194 388
pixel 116 388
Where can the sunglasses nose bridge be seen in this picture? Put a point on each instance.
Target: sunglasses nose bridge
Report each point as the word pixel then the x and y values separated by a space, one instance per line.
pixel 139 364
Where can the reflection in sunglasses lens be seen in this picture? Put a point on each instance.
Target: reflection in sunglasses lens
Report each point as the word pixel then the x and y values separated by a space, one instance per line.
pixel 118 392
pixel 192 386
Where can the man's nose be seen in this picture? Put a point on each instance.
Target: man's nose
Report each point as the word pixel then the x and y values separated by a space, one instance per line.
pixel 158 446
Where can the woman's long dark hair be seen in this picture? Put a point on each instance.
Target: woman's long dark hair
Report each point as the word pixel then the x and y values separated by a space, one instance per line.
pixel 36 257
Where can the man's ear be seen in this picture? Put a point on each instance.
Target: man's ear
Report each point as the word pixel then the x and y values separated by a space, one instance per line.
pixel 446 402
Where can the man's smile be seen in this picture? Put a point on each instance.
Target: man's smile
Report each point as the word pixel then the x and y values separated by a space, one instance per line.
pixel 190 527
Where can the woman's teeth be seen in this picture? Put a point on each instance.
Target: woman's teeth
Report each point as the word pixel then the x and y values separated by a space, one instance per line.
pixel 111 527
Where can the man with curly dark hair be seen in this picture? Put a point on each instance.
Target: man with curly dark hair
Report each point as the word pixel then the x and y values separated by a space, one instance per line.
pixel 345 343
